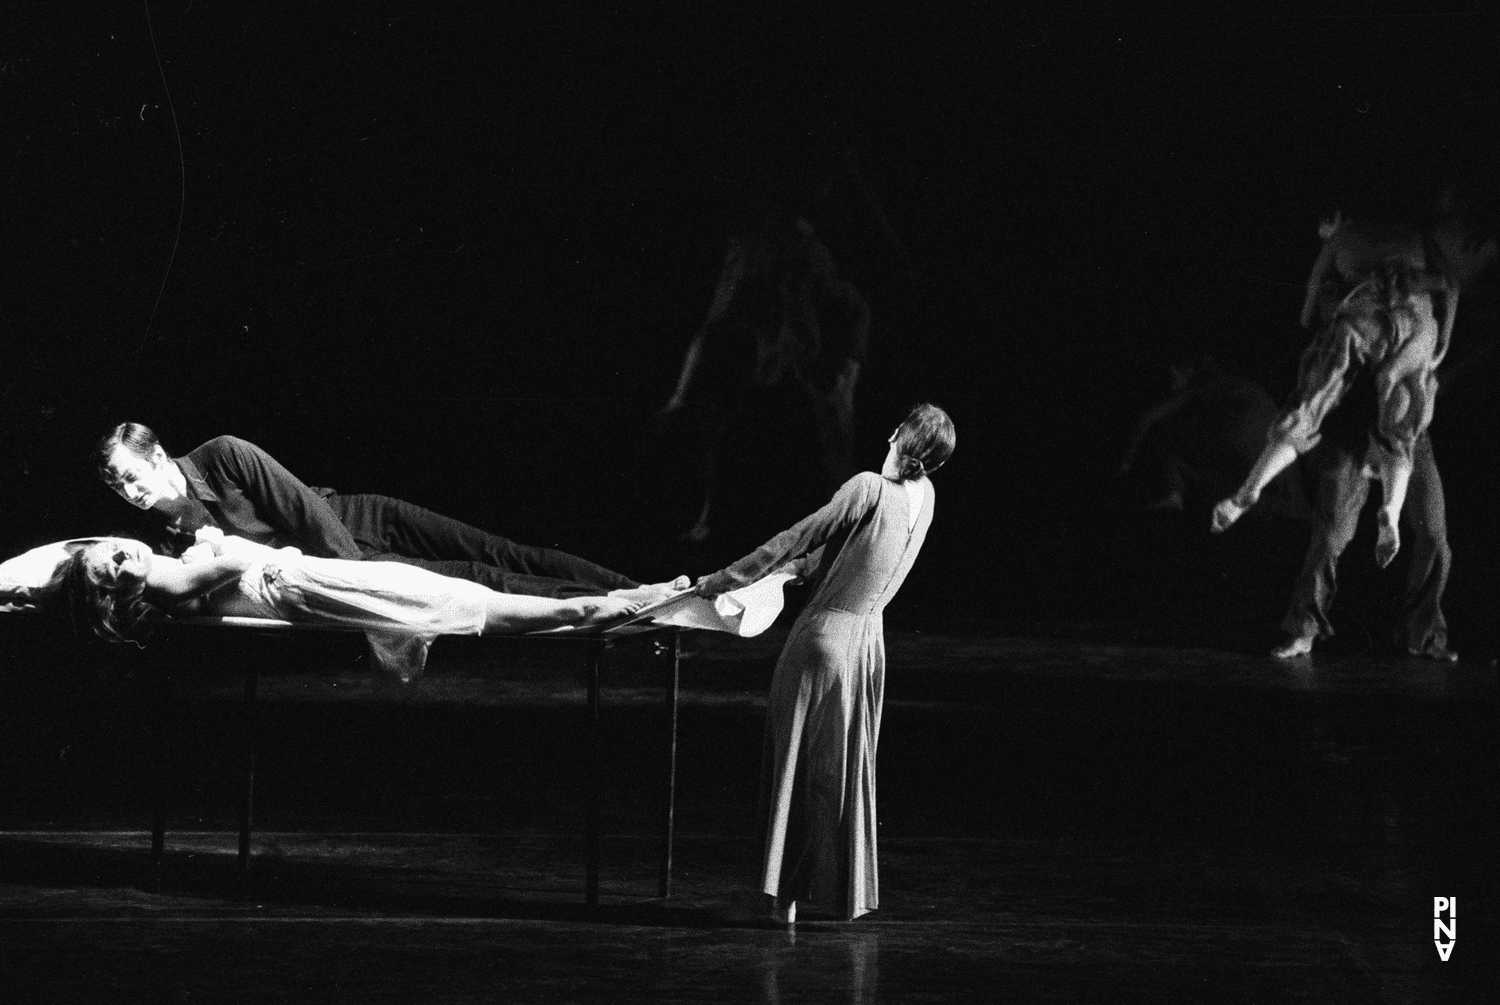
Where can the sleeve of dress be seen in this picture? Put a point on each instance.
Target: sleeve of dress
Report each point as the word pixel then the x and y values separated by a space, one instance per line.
pixel 806 567
pixel 284 502
pixel 847 507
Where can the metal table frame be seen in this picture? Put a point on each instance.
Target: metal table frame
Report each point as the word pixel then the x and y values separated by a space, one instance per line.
pixel 176 661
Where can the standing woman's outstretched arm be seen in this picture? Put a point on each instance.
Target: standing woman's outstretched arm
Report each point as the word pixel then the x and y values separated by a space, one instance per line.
pixel 850 504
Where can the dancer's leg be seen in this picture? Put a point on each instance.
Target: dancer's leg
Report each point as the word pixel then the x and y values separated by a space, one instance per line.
pixel 392 525
pixel 510 614
pixel 1394 477
pixel 1407 394
pixel 1276 458
pixel 496 579
pixel 1323 378
pixel 1341 493
pixel 1422 630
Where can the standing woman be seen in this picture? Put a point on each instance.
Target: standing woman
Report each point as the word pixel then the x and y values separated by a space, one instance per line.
pixel 823 712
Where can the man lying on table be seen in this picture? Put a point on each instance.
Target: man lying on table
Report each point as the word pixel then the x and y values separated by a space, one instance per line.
pixel 234 485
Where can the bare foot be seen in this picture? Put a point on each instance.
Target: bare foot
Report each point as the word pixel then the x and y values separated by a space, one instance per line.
pixel 1229 510
pixel 1296 648
pixel 696 534
pixel 598 610
pixel 649 593
pixel 1388 541
pixel 1435 651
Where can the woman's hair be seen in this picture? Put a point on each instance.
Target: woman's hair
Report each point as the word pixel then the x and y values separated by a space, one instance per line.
pixel 924 441
pixel 138 439
pixel 113 615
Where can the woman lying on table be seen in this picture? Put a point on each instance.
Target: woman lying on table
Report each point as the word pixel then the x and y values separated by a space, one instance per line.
pixel 117 582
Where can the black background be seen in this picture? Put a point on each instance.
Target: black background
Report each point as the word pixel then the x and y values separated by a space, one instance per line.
pixel 454 255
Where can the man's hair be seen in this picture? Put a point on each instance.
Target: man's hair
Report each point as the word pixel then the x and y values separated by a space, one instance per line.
pixel 133 436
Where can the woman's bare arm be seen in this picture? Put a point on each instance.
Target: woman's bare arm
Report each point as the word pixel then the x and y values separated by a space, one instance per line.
pixel 176 583
pixel 1446 299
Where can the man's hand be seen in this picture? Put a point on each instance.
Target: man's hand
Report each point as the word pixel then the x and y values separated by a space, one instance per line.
pixel 233 546
pixel 208 541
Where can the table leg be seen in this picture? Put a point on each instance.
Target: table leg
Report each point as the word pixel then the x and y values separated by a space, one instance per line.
pixel 158 772
pixel 247 789
pixel 591 833
pixel 669 802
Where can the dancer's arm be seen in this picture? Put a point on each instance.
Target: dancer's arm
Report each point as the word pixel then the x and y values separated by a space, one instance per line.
pixel 685 378
pixel 1156 413
pixel 848 295
pixel 1320 271
pixel 806 567
pixel 724 291
pixel 1446 295
pixel 730 274
pixel 281 499
pixel 176 583
pixel 848 506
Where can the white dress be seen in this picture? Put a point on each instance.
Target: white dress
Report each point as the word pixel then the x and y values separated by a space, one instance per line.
pixel 380 596
pixel 401 608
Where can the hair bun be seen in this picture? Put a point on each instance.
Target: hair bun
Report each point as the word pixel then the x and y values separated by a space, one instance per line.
pixel 923 441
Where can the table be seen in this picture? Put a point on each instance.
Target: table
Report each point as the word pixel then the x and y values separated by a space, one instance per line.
pixel 179 646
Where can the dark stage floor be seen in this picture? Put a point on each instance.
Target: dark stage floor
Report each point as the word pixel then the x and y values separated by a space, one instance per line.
pixel 1061 820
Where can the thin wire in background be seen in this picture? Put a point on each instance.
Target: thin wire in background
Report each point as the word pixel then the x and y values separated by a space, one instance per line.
pixel 182 195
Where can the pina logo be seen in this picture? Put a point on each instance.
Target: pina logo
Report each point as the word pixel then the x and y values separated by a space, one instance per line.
pixel 1444 929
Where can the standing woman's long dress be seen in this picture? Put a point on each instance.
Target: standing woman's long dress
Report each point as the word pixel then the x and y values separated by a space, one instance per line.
pixel 823 712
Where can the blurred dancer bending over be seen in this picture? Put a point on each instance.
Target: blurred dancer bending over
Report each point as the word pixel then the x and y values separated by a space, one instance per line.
pixel 781 316
pixel 237 487
pixel 1199 439
pixel 823 712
